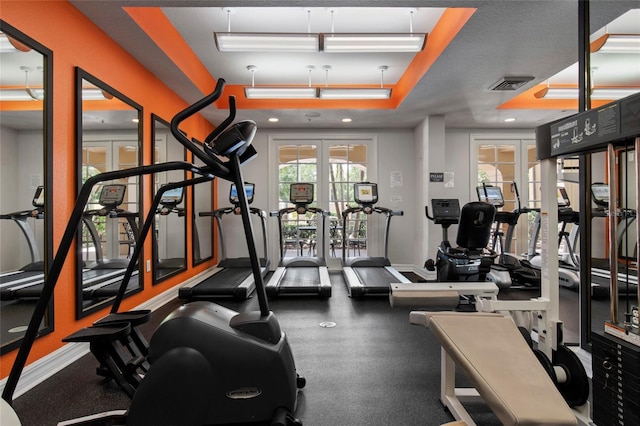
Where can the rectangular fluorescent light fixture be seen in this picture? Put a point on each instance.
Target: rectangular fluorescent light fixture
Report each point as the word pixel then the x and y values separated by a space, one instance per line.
pixel 38 94
pixel 597 94
pixel 21 94
pixel 359 43
pixel 267 42
pixel 354 93
pixel 280 92
pixel 617 43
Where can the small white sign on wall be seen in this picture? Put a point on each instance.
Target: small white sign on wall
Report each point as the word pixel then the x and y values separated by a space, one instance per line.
pixel 448 180
pixel 396 179
pixel 36 180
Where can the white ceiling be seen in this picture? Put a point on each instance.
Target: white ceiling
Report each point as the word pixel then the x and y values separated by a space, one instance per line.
pixel 502 38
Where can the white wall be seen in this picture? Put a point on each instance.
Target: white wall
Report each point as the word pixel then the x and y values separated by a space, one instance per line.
pixel 9 256
pixel 21 171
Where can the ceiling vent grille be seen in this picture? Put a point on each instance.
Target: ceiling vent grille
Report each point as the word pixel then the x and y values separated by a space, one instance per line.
pixel 510 83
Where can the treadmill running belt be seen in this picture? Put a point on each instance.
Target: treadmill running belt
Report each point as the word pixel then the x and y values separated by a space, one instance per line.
pixel 301 277
pixel 375 279
pixel 221 282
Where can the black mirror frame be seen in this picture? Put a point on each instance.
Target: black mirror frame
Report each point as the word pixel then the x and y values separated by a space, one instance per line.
pixel 47 55
pixel 155 279
pixel 81 75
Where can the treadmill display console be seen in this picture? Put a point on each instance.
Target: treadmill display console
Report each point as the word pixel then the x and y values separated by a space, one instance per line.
pixel 112 195
pixel 563 198
pixel 248 191
pixel 600 194
pixel 365 193
pixel 301 193
pixel 38 198
pixel 172 197
pixel 490 194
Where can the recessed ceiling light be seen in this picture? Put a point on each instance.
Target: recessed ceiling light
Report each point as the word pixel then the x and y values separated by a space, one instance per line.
pixel 509 120
pixel 346 120
pixel 273 120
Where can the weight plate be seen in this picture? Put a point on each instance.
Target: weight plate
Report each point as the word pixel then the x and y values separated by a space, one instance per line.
pixel 576 389
pixel 546 364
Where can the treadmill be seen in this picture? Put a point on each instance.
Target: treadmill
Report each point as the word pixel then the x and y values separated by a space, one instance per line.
pixel 169 203
pixel 101 279
pixel 369 276
pixel 232 277
pixel 600 273
pixel 301 275
pixel 15 282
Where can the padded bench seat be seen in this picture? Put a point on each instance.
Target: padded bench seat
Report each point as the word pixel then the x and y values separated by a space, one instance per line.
pixel 496 359
pixel 433 294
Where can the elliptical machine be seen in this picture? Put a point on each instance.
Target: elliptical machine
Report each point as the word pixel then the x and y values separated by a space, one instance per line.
pixel 509 271
pixel 209 364
pixel 470 260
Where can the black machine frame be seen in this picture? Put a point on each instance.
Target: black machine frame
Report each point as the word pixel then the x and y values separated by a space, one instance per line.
pixel 235 144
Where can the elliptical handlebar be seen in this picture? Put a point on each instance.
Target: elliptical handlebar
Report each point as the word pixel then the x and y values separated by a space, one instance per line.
pixel 216 165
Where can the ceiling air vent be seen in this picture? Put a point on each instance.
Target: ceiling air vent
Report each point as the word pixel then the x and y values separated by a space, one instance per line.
pixel 510 83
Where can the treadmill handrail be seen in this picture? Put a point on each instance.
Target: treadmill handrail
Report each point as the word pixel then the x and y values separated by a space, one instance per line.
pixel 148 223
pixel 217 215
pixel 283 211
pixel 388 213
pixel 64 247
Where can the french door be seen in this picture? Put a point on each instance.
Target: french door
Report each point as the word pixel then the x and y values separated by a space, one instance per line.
pixel 500 160
pixel 333 164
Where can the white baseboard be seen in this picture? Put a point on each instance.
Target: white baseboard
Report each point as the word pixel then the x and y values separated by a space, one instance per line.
pixel 40 370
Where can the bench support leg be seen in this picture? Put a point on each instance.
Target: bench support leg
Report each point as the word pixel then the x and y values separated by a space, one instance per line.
pixel 452 397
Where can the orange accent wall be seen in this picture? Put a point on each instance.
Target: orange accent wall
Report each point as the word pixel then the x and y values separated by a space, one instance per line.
pixel 82 44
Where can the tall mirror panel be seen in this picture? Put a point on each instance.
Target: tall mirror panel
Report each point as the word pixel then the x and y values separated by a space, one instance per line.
pixel 26 70
pixel 624 242
pixel 202 231
pixel 109 138
pixel 170 226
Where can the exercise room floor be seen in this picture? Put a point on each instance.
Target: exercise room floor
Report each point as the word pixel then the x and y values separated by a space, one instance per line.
pixel 372 368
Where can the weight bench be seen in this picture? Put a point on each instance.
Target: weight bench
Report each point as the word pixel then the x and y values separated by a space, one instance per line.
pixel 500 364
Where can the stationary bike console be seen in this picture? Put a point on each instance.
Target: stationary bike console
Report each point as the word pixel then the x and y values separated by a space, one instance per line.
pixel 446 211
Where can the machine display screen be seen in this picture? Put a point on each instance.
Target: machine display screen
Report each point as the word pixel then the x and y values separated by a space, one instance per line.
pixel 563 198
pixel 600 194
pixel 365 193
pixel 172 197
pixel 301 193
pixel 38 198
pixel 112 195
pixel 491 195
pixel 248 190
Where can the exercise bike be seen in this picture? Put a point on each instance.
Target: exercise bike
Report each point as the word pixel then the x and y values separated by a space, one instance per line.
pixel 470 260
pixel 208 364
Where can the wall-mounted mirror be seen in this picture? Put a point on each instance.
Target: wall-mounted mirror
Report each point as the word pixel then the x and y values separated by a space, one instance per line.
pixel 26 70
pixel 109 137
pixel 202 230
pixel 170 226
